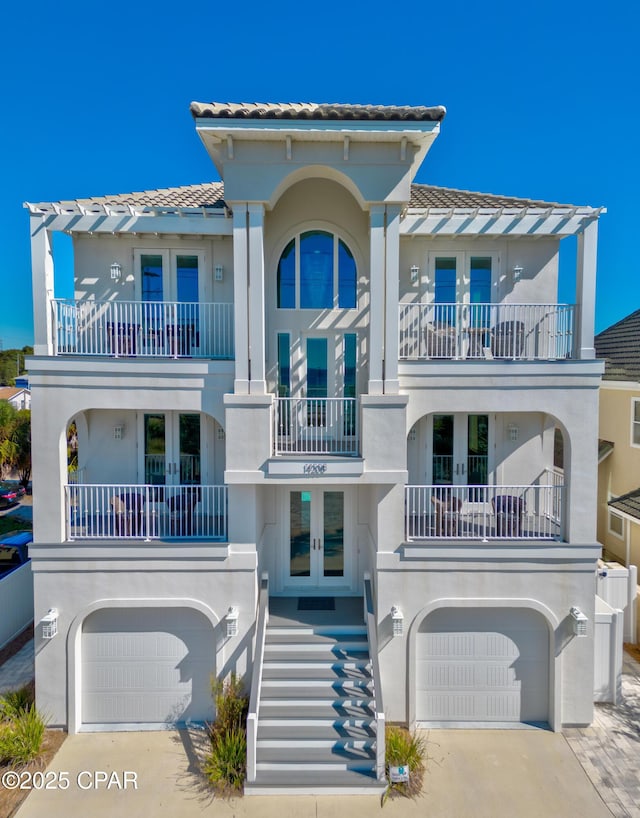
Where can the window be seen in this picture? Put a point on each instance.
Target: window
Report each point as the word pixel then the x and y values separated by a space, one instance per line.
pixel 316 271
pixel 480 280
pixel 151 270
pixel 635 421
pixel 616 524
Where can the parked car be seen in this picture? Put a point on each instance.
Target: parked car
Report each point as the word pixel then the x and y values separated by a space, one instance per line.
pixel 10 494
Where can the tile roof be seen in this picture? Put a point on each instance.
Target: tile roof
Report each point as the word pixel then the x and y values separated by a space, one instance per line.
pixel 211 194
pixel 628 503
pixel 619 345
pixel 316 111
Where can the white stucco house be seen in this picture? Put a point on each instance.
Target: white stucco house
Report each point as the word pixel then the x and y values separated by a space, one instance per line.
pixel 315 385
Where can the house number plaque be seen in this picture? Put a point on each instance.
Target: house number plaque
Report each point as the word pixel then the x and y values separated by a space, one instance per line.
pixel 314 468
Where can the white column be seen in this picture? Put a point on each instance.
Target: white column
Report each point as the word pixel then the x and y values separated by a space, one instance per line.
pixel 240 299
pixel 392 297
pixel 376 299
pixel 258 383
pixel 586 264
pixel 42 281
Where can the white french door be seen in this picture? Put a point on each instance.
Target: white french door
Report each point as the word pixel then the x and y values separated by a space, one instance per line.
pixel 318 553
pixel 459 450
pixel 172 448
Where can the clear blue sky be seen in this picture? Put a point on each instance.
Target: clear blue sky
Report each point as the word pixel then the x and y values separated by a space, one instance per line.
pixel 542 102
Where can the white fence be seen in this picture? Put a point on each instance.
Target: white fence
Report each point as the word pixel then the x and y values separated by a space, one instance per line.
pixel 108 511
pixel 316 426
pixel 166 329
pixel 16 601
pixel 607 655
pixel 483 512
pixel 486 331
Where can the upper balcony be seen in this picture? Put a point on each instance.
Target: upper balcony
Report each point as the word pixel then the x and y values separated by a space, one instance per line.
pixel 159 329
pixel 517 332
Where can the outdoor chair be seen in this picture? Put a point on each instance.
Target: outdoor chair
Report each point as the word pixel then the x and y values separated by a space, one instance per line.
pixel 509 511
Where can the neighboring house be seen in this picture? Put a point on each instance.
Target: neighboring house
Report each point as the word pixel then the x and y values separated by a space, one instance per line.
pixel 19 398
pixel 619 461
pixel 319 373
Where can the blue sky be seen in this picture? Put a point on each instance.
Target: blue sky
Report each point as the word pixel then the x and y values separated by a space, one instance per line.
pixel 542 102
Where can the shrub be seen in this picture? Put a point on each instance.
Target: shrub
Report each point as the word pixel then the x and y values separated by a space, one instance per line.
pixel 404 748
pixel 15 701
pixel 21 734
pixel 226 763
pixel 231 703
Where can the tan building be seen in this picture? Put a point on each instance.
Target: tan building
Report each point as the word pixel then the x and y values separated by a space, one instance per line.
pixel 619 451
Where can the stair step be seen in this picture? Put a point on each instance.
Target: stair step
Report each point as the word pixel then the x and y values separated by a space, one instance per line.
pixel 306 712
pixel 316 758
pixel 322 687
pixel 319 782
pixel 298 639
pixel 323 693
pixel 365 732
pixel 340 722
pixel 324 630
pixel 314 653
pixel 313 663
pixel 302 672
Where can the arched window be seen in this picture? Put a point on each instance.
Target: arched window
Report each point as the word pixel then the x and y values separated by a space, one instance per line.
pixel 317 271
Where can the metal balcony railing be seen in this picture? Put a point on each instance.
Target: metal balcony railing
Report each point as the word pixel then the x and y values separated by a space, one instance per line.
pixel 147 512
pixel 540 332
pixel 316 426
pixel 484 512
pixel 164 329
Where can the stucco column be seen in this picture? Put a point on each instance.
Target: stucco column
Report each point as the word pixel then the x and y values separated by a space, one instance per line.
pixel 240 299
pixel 581 471
pixel 49 459
pixel 42 280
pixel 258 383
pixel 586 264
pixel 392 298
pixel 376 299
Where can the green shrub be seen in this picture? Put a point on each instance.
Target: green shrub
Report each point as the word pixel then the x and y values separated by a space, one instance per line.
pixel 16 701
pixel 226 764
pixel 21 735
pixel 408 749
pixel 231 703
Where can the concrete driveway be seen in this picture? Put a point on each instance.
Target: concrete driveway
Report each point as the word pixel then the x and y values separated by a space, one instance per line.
pixel 472 774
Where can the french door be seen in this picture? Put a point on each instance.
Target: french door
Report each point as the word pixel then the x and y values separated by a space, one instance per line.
pixel 172 446
pixel 462 278
pixel 459 450
pixel 317 528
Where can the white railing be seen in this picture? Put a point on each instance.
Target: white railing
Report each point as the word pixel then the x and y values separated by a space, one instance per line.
pixel 486 331
pixel 372 635
pixel 256 681
pixel 166 329
pixel 483 512
pixel 116 511
pixel 155 468
pixel 316 426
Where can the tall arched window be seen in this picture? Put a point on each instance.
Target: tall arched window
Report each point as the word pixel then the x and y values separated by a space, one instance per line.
pixel 317 271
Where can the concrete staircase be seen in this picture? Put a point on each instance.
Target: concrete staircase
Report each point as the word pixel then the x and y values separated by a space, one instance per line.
pixel 316 724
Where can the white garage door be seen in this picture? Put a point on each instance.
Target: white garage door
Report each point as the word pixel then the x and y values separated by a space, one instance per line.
pixel 483 665
pixel 146 666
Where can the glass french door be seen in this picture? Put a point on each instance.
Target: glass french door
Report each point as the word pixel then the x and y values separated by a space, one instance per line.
pixel 462 279
pixel 172 446
pixel 316 538
pixel 460 450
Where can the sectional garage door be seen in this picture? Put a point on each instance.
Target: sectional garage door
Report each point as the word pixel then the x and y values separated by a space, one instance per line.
pixel 146 666
pixel 482 665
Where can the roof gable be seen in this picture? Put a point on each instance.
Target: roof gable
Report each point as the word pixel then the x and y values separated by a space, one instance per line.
pixel 619 345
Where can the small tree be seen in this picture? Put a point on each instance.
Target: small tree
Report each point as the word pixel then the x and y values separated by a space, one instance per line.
pixel 15 442
pixel 22 438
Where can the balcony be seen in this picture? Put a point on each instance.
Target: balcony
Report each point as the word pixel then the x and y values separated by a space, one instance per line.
pixel 318 426
pixel 145 512
pixel 485 513
pixel 158 329
pixel 516 332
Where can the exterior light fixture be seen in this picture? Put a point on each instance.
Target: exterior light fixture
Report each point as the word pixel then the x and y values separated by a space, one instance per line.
pixel 116 271
pixel 219 271
pixel 415 272
pixel 50 624
pixel 118 431
pixel 514 431
pixel 397 617
pixel 232 622
pixel 517 272
pixel 579 621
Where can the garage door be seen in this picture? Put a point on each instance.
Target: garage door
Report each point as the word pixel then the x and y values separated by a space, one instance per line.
pixel 146 666
pixel 483 665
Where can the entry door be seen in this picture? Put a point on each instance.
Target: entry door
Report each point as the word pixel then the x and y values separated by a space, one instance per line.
pixel 460 450
pixel 172 446
pixel 316 537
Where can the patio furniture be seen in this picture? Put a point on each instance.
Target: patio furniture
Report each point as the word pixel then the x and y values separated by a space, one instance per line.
pixel 128 513
pixel 123 338
pixel 181 511
pixel 440 340
pixel 447 514
pixel 507 340
pixel 509 511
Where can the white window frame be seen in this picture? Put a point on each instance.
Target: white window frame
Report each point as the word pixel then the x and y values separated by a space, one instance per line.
pixel 635 424
pixel 611 515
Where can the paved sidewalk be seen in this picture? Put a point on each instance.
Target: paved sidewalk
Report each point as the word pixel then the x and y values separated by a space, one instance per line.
pixel 18 670
pixel 609 750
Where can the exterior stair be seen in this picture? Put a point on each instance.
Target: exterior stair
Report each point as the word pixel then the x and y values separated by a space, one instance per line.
pixel 316 725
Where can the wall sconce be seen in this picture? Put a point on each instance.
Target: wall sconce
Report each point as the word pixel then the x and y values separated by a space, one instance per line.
pixel 517 272
pixel 118 432
pixel 415 272
pixel 50 624
pixel 579 621
pixel 232 622
pixel 397 617
pixel 116 271
pixel 513 431
pixel 219 270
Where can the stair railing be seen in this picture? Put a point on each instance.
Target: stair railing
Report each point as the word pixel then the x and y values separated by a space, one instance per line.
pixel 256 681
pixel 372 634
